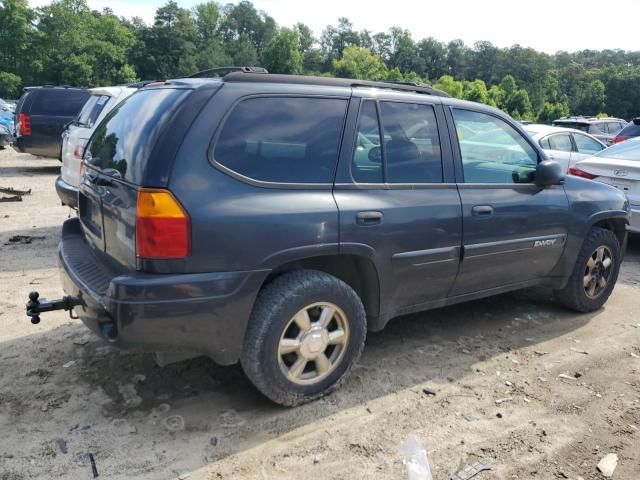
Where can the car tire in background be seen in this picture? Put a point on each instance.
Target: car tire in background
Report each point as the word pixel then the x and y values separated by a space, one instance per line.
pixel 305 334
pixel 595 273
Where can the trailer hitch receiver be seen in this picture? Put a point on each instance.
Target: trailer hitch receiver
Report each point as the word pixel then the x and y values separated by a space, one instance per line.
pixel 35 306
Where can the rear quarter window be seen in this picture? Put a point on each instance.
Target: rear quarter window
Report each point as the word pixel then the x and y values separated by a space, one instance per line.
pixel 92 110
pixel 58 102
pixel 124 140
pixel 282 139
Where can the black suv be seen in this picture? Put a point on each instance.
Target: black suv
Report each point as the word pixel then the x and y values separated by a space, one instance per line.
pixel 273 220
pixel 42 114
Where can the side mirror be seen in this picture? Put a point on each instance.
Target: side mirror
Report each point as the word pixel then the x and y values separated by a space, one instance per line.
pixel 375 155
pixel 549 173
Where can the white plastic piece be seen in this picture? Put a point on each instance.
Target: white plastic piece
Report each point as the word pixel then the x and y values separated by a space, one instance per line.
pixel 414 456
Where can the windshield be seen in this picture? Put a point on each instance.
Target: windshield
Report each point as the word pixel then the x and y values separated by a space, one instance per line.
pixel 628 150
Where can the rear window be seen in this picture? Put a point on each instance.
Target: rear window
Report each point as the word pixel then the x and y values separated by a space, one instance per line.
pixel 578 126
pixel 92 110
pixel 631 130
pixel 58 102
pixel 125 138
pixel 282 139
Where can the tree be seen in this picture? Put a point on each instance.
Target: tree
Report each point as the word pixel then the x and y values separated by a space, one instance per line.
pixel 282 55
pixel 476 91
pixel 552 111
pixel 16 34
pixel 592 99
pixel 9 85
pixel 360 63
pixel 434 55
pixel 448 84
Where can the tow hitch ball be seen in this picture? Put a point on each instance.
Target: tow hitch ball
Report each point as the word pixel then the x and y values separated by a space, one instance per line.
pixel 36 307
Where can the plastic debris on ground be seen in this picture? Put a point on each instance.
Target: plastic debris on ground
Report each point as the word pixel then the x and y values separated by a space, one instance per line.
pixel 414 456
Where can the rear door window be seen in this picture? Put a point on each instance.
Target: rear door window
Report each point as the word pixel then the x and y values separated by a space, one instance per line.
pixel 561 142
pixel 282 139
pixel 59 102
pixel 124 140
pixel 92 110
pixel 411 143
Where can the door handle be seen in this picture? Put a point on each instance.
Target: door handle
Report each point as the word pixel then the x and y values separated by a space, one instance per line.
pixel 482 211
pixel 369 218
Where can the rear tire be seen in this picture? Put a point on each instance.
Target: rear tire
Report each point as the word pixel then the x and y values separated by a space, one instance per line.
pixel 595 273
pixel 305 334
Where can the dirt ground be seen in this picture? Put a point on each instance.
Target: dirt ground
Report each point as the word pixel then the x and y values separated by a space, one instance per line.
pixel 493 364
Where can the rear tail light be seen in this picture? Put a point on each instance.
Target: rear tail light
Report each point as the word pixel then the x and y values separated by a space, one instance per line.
pixel 25 124
pixel 79 149
pixel 619 139
pixel 162 226
pixel 581 173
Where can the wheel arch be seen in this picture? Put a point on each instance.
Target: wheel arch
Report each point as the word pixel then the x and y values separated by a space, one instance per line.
pixel 357 271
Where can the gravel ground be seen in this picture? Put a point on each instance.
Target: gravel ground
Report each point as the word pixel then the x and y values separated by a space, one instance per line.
pixel 494 366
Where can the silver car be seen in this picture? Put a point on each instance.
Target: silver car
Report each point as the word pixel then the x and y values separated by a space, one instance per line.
pixel 619 166
pixel 566 146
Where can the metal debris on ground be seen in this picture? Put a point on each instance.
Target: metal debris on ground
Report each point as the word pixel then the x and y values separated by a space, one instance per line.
pixel 94 469
pixel 429 392
pixel 25 239
pixel 14 191
pixel 15 198
pixel 472 470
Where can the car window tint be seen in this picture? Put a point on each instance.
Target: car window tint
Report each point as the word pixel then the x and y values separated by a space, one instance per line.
pixel 627 150
pixel 544 143
pixel 496 153
pixel 283 139
pixel 586 144
pixel 411 144
pixel 366 163
pixel 597 129
pixel 561 142
pixel 92 109
pixel 125 139
pixel 59 102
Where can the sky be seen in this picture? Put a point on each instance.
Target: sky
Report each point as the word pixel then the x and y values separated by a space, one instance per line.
pixel 546 25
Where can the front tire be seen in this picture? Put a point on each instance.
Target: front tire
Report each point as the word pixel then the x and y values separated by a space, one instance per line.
pixel 595 273
pixel 305 334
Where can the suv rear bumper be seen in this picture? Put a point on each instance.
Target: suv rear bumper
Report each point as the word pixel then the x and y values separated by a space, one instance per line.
pixel 203 313
pixel 68 194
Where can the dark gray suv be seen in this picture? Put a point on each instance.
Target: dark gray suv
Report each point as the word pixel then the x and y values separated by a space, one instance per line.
pixel 273 220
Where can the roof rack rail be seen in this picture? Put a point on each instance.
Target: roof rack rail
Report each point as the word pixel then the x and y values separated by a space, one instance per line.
pixel 333 82
pixel 222 71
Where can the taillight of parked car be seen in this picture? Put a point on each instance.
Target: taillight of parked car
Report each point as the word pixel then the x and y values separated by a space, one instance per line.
pixel 25 124
pixel 619 139
pixel 162 226
pixel 79 149
pixel 581 173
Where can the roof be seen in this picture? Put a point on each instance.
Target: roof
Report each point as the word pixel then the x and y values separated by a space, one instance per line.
pixel 587 120
pixel 239 76
pixel 538 129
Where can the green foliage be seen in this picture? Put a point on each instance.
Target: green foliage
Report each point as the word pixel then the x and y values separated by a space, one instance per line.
pixel 448 84
pixel 9 85
pixel 359 63
pixel 282 55
pixel 66 42
pixel 552 111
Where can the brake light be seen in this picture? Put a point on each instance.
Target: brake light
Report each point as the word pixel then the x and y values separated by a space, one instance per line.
pixel 581 173
pixel 79 150
pixel 162 226
pixel 619 139
pixel 25 124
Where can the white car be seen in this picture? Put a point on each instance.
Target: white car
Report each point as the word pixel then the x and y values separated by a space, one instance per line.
pixel 618 165
pixel 567 146
pixel 101 101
